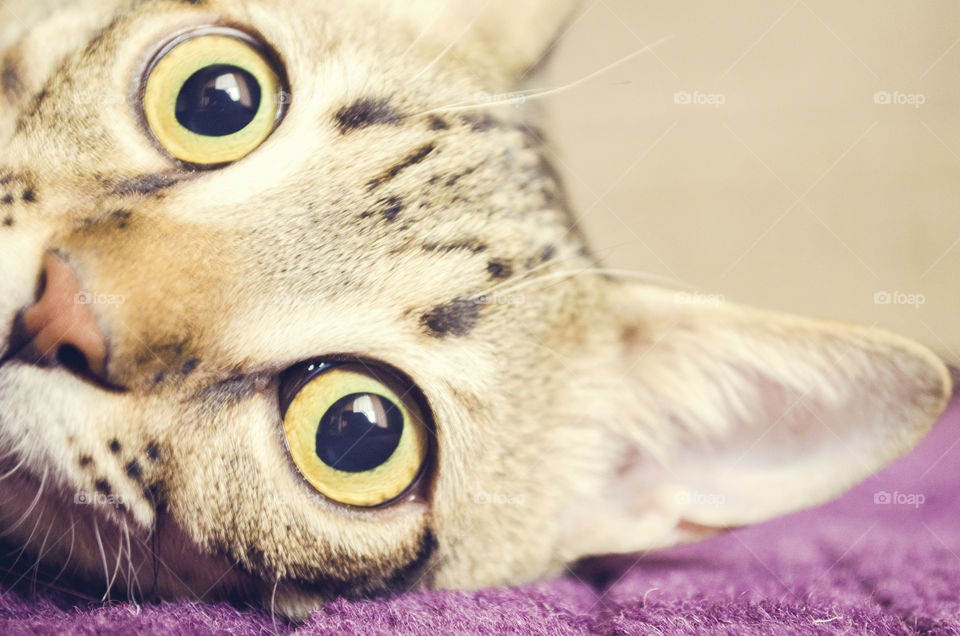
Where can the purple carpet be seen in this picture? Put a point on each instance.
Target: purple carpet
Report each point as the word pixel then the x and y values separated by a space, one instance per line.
pixel 884 559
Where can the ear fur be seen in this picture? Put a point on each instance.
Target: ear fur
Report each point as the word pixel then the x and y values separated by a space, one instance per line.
pixel 518 33
pixel 513 35
pixel 739 415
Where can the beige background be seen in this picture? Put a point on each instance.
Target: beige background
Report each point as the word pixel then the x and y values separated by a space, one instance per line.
pixel 799 192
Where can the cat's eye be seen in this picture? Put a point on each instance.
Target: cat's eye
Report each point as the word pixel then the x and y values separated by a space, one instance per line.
pixel 356 433
pixel 212 98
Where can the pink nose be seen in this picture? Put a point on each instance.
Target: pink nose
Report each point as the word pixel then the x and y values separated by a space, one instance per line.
pixel 62 323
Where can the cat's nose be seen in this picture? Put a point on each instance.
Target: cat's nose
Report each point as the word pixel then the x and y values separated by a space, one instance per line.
pixel 62 324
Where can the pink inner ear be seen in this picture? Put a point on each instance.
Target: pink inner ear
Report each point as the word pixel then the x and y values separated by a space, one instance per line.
pixel 760 415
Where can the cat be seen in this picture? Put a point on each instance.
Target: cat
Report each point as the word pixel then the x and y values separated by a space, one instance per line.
pixel 292 306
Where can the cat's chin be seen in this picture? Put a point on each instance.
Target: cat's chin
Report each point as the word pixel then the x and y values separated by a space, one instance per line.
pixel 81 545
pixel 55 542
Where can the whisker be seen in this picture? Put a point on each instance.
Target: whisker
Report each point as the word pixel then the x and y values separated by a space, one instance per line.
pixel 133 574
pixel 59 588
pixel 25 515
pixel 23 549
pixel 449 46
pixel 40 554
pixel 116 569
pixel 103 556
pixel 73 538
pixel 511 98
pixel 584 271
pixel 273 605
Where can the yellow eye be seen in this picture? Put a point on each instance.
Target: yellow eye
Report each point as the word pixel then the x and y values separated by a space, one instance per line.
pixel 212 99
pixel 356 435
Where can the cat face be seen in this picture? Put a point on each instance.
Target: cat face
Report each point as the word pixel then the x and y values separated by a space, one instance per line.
pixel 191 317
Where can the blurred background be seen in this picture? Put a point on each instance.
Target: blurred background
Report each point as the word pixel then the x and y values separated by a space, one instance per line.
pixel 799 155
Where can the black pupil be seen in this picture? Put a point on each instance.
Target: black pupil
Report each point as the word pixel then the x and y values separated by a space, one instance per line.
pixel 359 432
pixel 218 100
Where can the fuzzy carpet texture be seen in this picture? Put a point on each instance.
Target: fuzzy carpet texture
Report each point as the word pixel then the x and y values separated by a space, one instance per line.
pixel 884 559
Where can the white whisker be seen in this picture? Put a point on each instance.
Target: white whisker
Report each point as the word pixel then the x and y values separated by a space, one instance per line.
pixel 512 98
pixel 13 470
pixel 73 538
pixel 584 271
pixel 116 569
pixel 30 508
pixel 23 549
pixel 40 554
pixel 449 46
pixel 273 604
pixel 103 557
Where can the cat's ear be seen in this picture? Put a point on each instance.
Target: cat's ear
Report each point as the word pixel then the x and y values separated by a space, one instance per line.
pixel 514 34
pixel 731 416
pixel 519 32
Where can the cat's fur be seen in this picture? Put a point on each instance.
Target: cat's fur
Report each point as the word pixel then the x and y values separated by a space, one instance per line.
pixel 575 414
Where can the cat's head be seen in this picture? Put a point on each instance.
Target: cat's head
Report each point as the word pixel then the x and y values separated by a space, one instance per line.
pixel 202 311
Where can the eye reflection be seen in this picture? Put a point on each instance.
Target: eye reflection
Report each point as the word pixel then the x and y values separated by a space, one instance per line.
pixel 218 100
pixel 359 432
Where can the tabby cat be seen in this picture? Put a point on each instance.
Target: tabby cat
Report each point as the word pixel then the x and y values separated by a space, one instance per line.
pixel 290 310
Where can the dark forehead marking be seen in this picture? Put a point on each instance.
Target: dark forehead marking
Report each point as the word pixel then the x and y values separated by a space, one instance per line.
pixel 438 123
pixel 134 470
pixel 365 112
pixel 468 245
pixel 481 122
pixel 455 318
pixel 218 396
pixel 499 268
pixel 10 78
pixel 412 159
pixel 389 208
pixel 145 184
